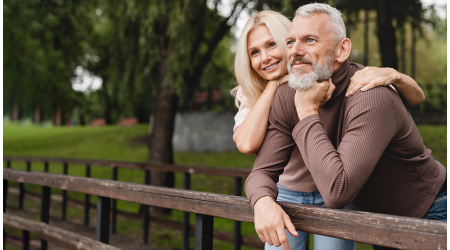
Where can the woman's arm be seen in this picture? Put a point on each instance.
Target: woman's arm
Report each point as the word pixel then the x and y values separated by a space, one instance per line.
pixel 370 77
pixel 250 134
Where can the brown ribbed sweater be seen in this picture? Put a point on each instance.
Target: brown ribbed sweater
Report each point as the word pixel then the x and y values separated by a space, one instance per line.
pixel 364 150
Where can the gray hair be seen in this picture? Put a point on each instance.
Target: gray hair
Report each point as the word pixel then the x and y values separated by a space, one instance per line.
pixel 335 24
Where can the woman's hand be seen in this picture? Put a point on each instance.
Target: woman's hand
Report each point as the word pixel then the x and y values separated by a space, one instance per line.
pixel 371 77
pixel 280 81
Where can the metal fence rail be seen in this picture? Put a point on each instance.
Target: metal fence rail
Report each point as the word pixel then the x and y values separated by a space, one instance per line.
pixel 385 230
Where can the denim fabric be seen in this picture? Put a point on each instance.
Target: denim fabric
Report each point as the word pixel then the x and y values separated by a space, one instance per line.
pixel 320 242
pixel 437 211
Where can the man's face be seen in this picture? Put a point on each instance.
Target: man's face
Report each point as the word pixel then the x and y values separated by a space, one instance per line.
pixel 311 50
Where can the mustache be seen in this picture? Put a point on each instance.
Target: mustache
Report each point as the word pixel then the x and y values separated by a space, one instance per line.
pixel 301 60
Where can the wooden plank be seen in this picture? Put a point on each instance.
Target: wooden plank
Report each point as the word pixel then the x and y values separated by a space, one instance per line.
pixel 231 172
pixel 55 235
pixel 387 230
pixel 248 241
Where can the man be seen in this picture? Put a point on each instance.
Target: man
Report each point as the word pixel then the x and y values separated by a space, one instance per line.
pixel 364 150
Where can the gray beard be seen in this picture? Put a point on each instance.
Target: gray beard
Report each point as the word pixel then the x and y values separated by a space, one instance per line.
pixel 299 80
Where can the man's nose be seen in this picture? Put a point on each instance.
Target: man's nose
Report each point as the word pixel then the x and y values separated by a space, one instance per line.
pixel 297 49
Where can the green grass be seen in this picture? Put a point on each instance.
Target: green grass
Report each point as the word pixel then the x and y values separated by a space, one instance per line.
pixel 127 144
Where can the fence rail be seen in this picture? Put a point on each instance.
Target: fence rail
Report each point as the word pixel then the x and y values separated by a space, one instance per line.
pixel 391 231
pixel 55 235
pixel 230 172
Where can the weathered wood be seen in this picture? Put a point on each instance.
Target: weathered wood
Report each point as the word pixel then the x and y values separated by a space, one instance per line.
pixel 243 173
pixel 55 235
pixel 372 228
pixel 248 241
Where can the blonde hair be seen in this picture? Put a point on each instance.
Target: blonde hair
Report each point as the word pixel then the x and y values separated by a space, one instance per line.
pixel 248 80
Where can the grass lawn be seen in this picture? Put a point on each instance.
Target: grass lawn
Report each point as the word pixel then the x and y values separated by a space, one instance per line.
pixel 126 143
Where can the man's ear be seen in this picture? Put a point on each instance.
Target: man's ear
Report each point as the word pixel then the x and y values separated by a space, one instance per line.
pixel 343 49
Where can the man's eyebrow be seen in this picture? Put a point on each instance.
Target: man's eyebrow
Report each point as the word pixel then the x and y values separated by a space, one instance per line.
pixel 289 38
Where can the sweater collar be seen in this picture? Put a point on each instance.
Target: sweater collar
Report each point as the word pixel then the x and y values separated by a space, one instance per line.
pixel 340 79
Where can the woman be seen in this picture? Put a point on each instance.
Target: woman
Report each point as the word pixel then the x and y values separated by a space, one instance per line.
pixel 260 68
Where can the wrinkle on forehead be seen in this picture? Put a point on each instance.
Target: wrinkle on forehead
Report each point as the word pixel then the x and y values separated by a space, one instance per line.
pixel 316 25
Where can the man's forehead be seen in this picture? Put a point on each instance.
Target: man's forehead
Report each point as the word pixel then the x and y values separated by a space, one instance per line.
pixel 316 23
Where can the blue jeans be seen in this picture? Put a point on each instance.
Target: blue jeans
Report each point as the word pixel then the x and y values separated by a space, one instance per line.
pixel 437 211
pixel 320 242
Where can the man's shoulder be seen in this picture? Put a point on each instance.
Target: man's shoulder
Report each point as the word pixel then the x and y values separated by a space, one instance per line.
pixel 355 67
pixel 283 107
pixel 378 98
pixel 284 95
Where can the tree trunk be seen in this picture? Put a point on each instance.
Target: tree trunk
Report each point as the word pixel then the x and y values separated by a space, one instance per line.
pixel 403 49
pixel 386 35
pixel 15 112
pixel 37 115
pixel 163 127
pixel 413 51
pixel 58 116
pixel 106 103
pixel 366 38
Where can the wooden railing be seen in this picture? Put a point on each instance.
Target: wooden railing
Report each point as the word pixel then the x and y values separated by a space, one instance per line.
pixel 385 230
pixel 237 174
pixel 55 235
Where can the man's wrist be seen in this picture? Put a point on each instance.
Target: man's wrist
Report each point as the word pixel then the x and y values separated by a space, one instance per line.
pixel 305 113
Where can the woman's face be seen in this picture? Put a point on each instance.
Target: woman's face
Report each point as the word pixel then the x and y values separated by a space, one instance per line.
pixel 265 56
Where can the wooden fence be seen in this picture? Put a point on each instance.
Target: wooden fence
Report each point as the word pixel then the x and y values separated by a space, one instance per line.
pixel 391 231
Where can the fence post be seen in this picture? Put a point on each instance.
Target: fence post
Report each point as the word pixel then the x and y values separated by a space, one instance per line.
pixel 186 223
pixel 46 166
pixel 103 214
pixel 146 222
pixel 26 239
pixel 5 189
pixel 64 195
pixel 5 194
pixel 204 229
pixel 114 205
pixel 237 224
pixel 22 188
pixel 87 202
pixel 45 211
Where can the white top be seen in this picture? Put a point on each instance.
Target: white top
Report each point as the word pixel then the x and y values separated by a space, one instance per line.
pixel 244 109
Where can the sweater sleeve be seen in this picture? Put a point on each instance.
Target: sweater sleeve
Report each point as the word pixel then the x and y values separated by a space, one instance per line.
pixel 341 173
pixel 274 153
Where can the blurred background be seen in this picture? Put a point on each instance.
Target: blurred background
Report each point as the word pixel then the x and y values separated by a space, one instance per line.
pixel 150 80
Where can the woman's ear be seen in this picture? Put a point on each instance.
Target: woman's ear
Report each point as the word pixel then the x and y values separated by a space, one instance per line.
pixel 343 50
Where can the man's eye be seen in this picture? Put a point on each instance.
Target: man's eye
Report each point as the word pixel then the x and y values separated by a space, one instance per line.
pixel 310 40
pixel 290 42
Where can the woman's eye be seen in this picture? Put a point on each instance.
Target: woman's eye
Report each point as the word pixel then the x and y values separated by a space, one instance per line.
pixel 254 52
pixel 272 44
pixel 310 40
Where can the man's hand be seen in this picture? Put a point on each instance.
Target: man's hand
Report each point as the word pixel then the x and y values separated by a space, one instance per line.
pixel 270 221
pixel 308 102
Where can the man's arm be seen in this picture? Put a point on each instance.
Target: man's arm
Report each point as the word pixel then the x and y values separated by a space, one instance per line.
pixel 274 154
pixel 340 174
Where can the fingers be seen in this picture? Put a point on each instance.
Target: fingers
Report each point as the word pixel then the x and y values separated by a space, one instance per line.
pixel 371 85
pixel 283 80
pixel 289 226
pixel 283 239
pixel 330 90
